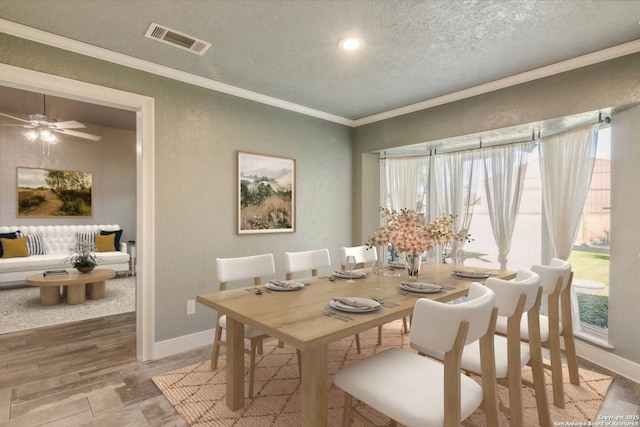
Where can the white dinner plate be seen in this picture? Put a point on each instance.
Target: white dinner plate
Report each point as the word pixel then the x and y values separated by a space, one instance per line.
pixel 343 307
pixel 293 286
pixel 430 288
pixel 472 274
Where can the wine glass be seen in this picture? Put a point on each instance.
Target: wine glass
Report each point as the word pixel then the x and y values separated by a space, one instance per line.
pixel 350 264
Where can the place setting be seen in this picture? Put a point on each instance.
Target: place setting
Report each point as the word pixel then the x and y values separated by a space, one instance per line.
pixel 420 287
pixel 471 274
pixel 284 285
pixel 353 275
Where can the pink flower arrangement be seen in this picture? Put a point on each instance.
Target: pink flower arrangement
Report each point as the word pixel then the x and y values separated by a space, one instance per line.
pixel 406 232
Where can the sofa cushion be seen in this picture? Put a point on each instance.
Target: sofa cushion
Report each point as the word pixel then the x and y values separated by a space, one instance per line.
pixel 86 238
pixel 35 243
pixel 7 236
pixel 13 248
pixel 105 242
pixel 116 241
pixel 55 261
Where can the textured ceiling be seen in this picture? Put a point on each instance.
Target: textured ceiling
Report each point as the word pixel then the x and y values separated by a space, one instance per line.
pixel 415 50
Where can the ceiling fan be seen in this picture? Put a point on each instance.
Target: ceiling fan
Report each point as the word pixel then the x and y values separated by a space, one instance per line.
pixel 42 128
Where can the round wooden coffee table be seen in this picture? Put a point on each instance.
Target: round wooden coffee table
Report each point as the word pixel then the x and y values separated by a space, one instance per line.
pixel 76 286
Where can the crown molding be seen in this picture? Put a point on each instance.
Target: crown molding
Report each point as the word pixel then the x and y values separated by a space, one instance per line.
pixel 82 48
pixel 538 73
pixel 60 42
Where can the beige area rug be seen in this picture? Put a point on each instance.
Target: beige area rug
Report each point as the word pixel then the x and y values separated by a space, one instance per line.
pixel 198 393
pixel 20 308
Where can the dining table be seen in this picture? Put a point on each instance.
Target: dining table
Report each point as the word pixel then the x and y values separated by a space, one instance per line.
pixel 305 320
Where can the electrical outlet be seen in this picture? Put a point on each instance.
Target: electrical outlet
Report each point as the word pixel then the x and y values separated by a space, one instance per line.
pixel 191 306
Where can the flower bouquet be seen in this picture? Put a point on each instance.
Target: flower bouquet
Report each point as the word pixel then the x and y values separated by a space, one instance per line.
pixel 407 233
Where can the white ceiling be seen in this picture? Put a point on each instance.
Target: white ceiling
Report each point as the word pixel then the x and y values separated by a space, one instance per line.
pixel 415 50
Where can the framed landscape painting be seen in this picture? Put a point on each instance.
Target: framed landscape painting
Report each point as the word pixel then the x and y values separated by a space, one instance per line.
pixel 54 193
pixel 266 194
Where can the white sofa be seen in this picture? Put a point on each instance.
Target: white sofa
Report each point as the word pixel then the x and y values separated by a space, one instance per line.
pixel 60 240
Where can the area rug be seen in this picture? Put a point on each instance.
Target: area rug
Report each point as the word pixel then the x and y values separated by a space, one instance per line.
pixel 198 393
pixel 20 308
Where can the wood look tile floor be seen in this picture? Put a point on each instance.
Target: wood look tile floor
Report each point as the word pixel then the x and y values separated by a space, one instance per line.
pixel 86 374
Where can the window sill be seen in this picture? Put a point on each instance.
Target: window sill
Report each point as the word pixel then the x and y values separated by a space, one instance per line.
pixel 593 339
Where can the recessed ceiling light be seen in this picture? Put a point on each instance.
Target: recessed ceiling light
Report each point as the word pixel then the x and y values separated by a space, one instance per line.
pixel 350 44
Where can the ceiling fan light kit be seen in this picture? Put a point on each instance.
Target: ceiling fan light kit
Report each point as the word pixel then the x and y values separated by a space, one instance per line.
pixel 40 128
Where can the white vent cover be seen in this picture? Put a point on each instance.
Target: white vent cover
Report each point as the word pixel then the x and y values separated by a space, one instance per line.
pixel 176 38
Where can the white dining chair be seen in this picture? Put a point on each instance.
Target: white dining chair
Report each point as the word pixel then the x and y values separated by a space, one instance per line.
pixel 512 299
pixel 237 270
pixel 295 262
pixel 417 391
pixel 555 281
pixel 364 256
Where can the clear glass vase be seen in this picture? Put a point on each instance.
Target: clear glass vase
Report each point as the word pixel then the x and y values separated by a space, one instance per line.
pixel 378 265
pixel 413 262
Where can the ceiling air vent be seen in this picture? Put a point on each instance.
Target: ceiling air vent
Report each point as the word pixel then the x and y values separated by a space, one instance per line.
pixel 176 38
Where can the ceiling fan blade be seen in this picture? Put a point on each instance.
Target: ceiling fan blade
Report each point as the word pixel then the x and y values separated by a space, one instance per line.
pixel 22 126
pixel 78 134
pixel 15 118
pixel 71 124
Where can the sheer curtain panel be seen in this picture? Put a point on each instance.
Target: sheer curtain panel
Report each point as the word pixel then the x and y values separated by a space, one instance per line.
pixel 456 183
pixel 566 166
pixel 504 169
pixel 407 183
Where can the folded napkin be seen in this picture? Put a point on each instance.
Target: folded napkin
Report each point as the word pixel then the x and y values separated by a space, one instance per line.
pixel 360 303
pixel 354 274
pixel 289 284
pixel 417 285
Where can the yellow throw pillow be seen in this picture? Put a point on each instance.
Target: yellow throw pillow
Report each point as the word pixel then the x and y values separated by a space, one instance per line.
pixel 13 248
pixel 105 243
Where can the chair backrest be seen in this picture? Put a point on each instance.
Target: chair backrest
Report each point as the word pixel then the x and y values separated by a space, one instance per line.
pixel 430 333
pixel 363 254
pixel 243 268
pixel 508 291
pixel 550 274
pixel 306 261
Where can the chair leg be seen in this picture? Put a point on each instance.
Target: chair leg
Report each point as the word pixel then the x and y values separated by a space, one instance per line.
pixel 358 343
pixel 346 410
pixel 299 356
pixel 556 366
pixel 380 335
pixel 216 348
pixel 260 348
pixel 572 358
pixel 252 364
pixel 516 409
pixel 405 327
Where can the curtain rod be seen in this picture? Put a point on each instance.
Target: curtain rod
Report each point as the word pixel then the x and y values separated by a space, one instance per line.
pixel 432 152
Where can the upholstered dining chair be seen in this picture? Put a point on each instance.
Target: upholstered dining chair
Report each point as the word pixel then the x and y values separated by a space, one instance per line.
pixel 512 299
pixel 555 281
pixel 295 262
pixel 364 256
pixel 237 270
pixel 418 391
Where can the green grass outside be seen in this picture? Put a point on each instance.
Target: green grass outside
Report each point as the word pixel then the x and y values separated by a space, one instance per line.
pixel 590 266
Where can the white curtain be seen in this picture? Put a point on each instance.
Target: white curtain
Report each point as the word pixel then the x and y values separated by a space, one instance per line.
pixel 456 183
pixel 566 166
pixel 504 169
pixel 407 183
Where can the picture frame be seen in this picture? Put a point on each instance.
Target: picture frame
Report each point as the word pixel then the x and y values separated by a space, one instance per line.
pixel 266 193
pixel 53 193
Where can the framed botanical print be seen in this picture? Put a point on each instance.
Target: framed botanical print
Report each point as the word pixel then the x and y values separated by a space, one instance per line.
pixel 266 189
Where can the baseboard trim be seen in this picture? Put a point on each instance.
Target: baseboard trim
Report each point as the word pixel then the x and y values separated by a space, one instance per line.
pixel 608 360
pixel 181 344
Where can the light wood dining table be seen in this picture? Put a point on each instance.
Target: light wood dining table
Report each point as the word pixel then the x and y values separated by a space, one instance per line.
pixel 297 319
